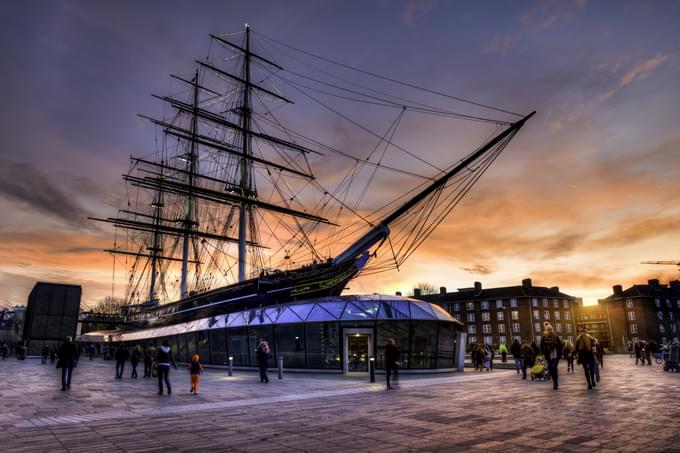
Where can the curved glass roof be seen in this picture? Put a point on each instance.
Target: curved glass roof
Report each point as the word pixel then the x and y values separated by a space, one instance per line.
pixel 340 308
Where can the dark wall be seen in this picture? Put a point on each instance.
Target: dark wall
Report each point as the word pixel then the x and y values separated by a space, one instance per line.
pixel 51 315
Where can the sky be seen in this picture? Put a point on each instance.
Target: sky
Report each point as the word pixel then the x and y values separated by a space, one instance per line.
pixel 584 193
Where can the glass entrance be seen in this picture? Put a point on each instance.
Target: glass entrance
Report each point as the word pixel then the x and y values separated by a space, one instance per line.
pixel 357 353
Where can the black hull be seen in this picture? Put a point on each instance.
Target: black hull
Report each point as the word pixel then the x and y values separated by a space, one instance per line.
pixel 266 290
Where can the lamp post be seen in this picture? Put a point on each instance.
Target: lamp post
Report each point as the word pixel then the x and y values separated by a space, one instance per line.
pixel 231 365
pixel 371 370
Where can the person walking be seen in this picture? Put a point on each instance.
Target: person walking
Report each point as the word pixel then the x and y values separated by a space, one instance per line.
pixel 4 350
pixel 44 352
pixel 568 352
pixel 584 351
pixel 516 350
pixel 263 360
pixel 134 360
pixel 91 350
pixel 504 352
pixel 551 347
pixel 149 354
pixel 53 354
pixel 599 354
pixel 652 347
pixel 67 361
pixel 638 352
pixel 122 354
pixel 392 363
pixel 527 354
pixel 196 369
pixel 163 360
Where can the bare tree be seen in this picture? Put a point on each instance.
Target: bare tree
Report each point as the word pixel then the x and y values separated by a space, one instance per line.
pixel 425 288
pixel 109 306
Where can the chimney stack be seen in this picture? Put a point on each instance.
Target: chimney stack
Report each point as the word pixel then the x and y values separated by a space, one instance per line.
pixel 416 292
pixel 526 283
pixel 478 287
pixel 442 290
pixel 555 289
pixel 654 283
pixel 618 290
pixel 398 293
pixel 675 284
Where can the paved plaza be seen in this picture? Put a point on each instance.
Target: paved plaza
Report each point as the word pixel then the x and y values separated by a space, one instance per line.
pixel 633 409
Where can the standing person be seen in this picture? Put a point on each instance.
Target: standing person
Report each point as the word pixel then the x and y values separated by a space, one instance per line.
pixel 652 347
pixel 504 352
pixel 53 354
pixel 195 368
pixel 599 353
pixel 149 353
pixel 122 354
pixel 44 353
pixel 629 347
pixel 568 352
pixel 263 360
pixel 134 360
pixel 67 361
pixel 163 360
pixel 638 352
pixel 527 354
pixel 536 349
pixel 492 354
pixel 516 351
pixel 4 350
pixel 551 347
pixel 584 351
pixel 392 362
pixel 91 349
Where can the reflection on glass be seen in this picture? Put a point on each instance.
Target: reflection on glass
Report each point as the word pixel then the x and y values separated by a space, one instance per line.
pixel 357 353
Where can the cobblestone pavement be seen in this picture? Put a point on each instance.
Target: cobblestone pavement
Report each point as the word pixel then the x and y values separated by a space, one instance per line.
pixel 633 409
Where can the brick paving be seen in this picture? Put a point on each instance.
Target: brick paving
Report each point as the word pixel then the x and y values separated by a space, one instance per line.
pixel 633 409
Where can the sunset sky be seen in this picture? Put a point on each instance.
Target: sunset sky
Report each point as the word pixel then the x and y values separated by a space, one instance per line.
pixel 587 190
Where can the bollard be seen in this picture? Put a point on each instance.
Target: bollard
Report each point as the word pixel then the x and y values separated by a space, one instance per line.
pixel 231 365
pixel 371 369
pixel 281 367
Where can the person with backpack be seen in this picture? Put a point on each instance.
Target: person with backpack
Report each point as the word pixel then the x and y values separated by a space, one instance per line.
pixel 551 347
pixel 584 352
pixel 516 351
pixel 44 353
pixel 527 354
pixel 163 360
pixel 196 369
pixel 149 354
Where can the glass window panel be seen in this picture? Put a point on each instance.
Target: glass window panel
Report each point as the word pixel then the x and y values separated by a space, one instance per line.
pixel 323 345
pixel 236 319
pixel 319 314
pixel 370 307
pixel 181 350
pixel 290 343
pixel 203 345
pixel 423 344
pixel 447 345
pixel 218 347
pixel 272 314
pixel 427 308
pixel 238 345
pixel 262 333
pixel 256 317
pixel 440 312
pixel 334 308
pixel 301 310
pixel 288 316
pixel 419 313
pixel 191 344
pixel 399 330
pixel 352 312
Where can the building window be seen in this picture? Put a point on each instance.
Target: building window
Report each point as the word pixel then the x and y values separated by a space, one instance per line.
pixel 678 303
pixel 674 328
pixel 538 339
pixel 486 328
pixel 629 303
pixel 668 304
pixel 488 340
pixel 557 315
pixel 471 317
pixel 515 314
pixel 501 338
pixel 499 303
pixel 472 340
pixel 662 328
pixel 500 316
pixel 670 315
pixel 537 326
pixel 518 338
pixel 534 302
pixel 631 316
pixel 658 303
pixel 513 303
pixel 472 329
pixel 633 328
pixel 659 314
pixel 545 303
pixel 566 304
pixel 546 314
pixel 556 303
pixel 636 339
pixel 486 316
pixel 568 327
pixel 567 316
pixel 571 338
pixel 456 307
pixel 515 327
pixel 485 305
pixel 535 313
pixel 470 306
pixel 501 328
pixel 558 327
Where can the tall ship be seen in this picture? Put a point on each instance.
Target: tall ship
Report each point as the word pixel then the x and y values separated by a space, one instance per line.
pixel 234 208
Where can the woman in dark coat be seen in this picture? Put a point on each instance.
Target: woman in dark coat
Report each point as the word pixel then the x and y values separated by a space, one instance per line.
pixel 263 360
pixel 67 359
pixel 391 362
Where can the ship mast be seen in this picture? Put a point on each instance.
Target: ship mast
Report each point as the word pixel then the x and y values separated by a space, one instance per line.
pixel 244 184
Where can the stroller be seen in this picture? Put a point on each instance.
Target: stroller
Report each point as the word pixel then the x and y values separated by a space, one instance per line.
pixel 539 371
pixel 672 362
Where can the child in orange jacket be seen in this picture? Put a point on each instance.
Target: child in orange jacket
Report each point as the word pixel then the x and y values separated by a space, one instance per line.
pixel 196 368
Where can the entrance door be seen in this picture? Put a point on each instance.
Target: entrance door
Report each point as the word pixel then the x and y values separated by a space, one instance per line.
pixel 358 350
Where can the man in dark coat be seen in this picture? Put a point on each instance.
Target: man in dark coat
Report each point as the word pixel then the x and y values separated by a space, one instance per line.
pixel 263 360
pixel 67 360
pixel 392 363
pixel 122 354
pixel 516 350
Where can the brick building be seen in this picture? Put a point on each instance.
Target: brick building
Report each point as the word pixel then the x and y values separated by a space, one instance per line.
pixel 648 312
pixel 595 319
pixel 499 315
